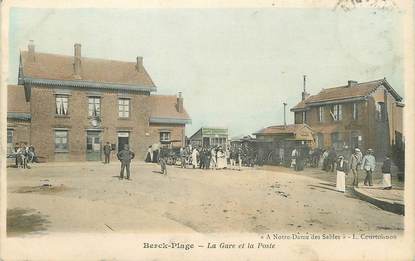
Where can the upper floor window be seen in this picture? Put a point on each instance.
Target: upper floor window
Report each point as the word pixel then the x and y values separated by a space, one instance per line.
pixel 61 140
pixel 304 116
pixel 380 111
pixel 337 112
pixel 355 111
pixel 165 136
pixel 123 108
pixel 61 104
pixel 321 114
pixel 94 106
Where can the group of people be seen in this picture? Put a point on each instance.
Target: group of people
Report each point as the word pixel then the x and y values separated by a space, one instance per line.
pixel 214 157
pixel 24 155
pixel 359 162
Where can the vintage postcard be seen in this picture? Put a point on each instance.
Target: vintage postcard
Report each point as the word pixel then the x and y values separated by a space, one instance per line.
pixel 194 131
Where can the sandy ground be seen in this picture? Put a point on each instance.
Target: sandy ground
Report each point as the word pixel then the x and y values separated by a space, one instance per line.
pixel 88 197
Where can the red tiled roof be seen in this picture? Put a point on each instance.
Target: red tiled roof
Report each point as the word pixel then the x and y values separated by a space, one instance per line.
pixel 344 92
pixel 281 129
pixel 16 101
pixel 60 67
pixel 165 106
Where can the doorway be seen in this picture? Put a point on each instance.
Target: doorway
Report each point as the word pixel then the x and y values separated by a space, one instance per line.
pixel 123 138
pixel 93 145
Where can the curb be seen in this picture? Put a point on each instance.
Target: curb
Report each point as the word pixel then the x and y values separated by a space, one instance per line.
pixel 391 206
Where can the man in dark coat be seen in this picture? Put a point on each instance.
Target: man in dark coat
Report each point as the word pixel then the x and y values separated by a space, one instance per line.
pixel 107 152
pixel 125 156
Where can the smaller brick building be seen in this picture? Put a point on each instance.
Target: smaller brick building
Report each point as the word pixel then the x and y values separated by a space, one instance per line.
pixel 68 107
pixel 364 115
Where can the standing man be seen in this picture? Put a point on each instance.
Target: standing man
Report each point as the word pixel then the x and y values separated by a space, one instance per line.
pixel 183 156
pixel 125 156
pixel 163 160
pixel 107 152
pixel 368 164
pixel 332 157
pixel 355 161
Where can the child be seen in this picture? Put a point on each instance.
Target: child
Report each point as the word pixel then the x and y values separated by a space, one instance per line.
pixel 386 170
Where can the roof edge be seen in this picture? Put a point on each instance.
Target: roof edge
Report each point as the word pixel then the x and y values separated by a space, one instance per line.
pixel 88 84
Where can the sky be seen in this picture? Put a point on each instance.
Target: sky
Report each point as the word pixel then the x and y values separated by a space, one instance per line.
pixel 235 67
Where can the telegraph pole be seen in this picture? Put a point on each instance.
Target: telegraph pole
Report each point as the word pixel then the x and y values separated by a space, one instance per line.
pixel 285 116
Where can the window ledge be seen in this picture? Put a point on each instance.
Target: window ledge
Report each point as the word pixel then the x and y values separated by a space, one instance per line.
pixel 61 151
pixel 63 116
pixel 124 118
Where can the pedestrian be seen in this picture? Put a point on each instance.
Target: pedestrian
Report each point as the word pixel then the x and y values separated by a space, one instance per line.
pixel 386 171
pixel 342 171
pixel 325 158
pixel 239 158
pixel 195 155
pixel 368 164
pixel 213 158
pixel 163 160
pixel 332 157
pixel 221 162
pixel 354 162
pixel 232 158
pixel 125 156
pixel 294 155
pixel 149 155
pixel 107 152
pixel 207 158
pixel 183 156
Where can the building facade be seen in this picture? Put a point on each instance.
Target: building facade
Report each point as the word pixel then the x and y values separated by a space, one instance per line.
pixel 365 115
pixel 210 137
pixel 275 143
pixel 77 104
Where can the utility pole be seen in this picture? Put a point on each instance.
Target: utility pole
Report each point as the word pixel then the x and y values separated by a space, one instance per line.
pixel 285 116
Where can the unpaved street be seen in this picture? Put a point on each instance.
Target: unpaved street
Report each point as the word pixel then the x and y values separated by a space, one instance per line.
pixel 88 197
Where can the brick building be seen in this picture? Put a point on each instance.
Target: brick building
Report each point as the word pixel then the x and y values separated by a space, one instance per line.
pixel 69 106
pixel 364 115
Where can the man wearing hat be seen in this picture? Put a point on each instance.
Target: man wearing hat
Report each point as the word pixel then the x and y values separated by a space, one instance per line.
pixel 368 164
pixel 342 171
pixel 125 156
pixel 355 161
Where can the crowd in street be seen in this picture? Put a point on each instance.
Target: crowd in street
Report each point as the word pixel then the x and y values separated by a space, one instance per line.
pixel 23 155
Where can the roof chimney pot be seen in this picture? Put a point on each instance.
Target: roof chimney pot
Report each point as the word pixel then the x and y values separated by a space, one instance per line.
pixel 180 102
pixel 139 63
pixel 351 83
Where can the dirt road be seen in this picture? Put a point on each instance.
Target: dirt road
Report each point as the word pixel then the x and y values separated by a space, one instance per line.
pixel 89 197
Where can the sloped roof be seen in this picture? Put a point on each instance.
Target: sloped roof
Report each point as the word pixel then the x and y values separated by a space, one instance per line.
pixel 60 67
pixel 164 107
pixel 282 129
pixel 358 90
pixel 16 101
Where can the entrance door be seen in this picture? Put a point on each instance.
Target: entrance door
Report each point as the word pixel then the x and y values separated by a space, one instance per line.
pixel 123 138
pixel 93 145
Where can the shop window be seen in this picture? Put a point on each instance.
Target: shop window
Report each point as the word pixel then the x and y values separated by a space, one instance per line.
pixel 61 105
pixel 94 106
pixel 123 108
pixel 61 140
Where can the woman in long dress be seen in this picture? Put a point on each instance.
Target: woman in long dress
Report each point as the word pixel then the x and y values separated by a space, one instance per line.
pixel 195 153
pixel 386 171
pixel 341 174
pixel 221 159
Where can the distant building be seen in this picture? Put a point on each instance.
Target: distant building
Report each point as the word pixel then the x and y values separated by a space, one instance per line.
pixel 364 115
pixel 68 107
pixel 275 143
pixel 210 137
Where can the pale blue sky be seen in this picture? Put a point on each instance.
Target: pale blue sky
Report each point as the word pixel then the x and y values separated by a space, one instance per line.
pixel 235 67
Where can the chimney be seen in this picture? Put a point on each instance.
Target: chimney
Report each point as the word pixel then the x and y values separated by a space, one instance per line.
pixel 77 61
pixel 139 63
pixel 31 51
pixel 351 83
pixel 180 102
pixel 304 94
